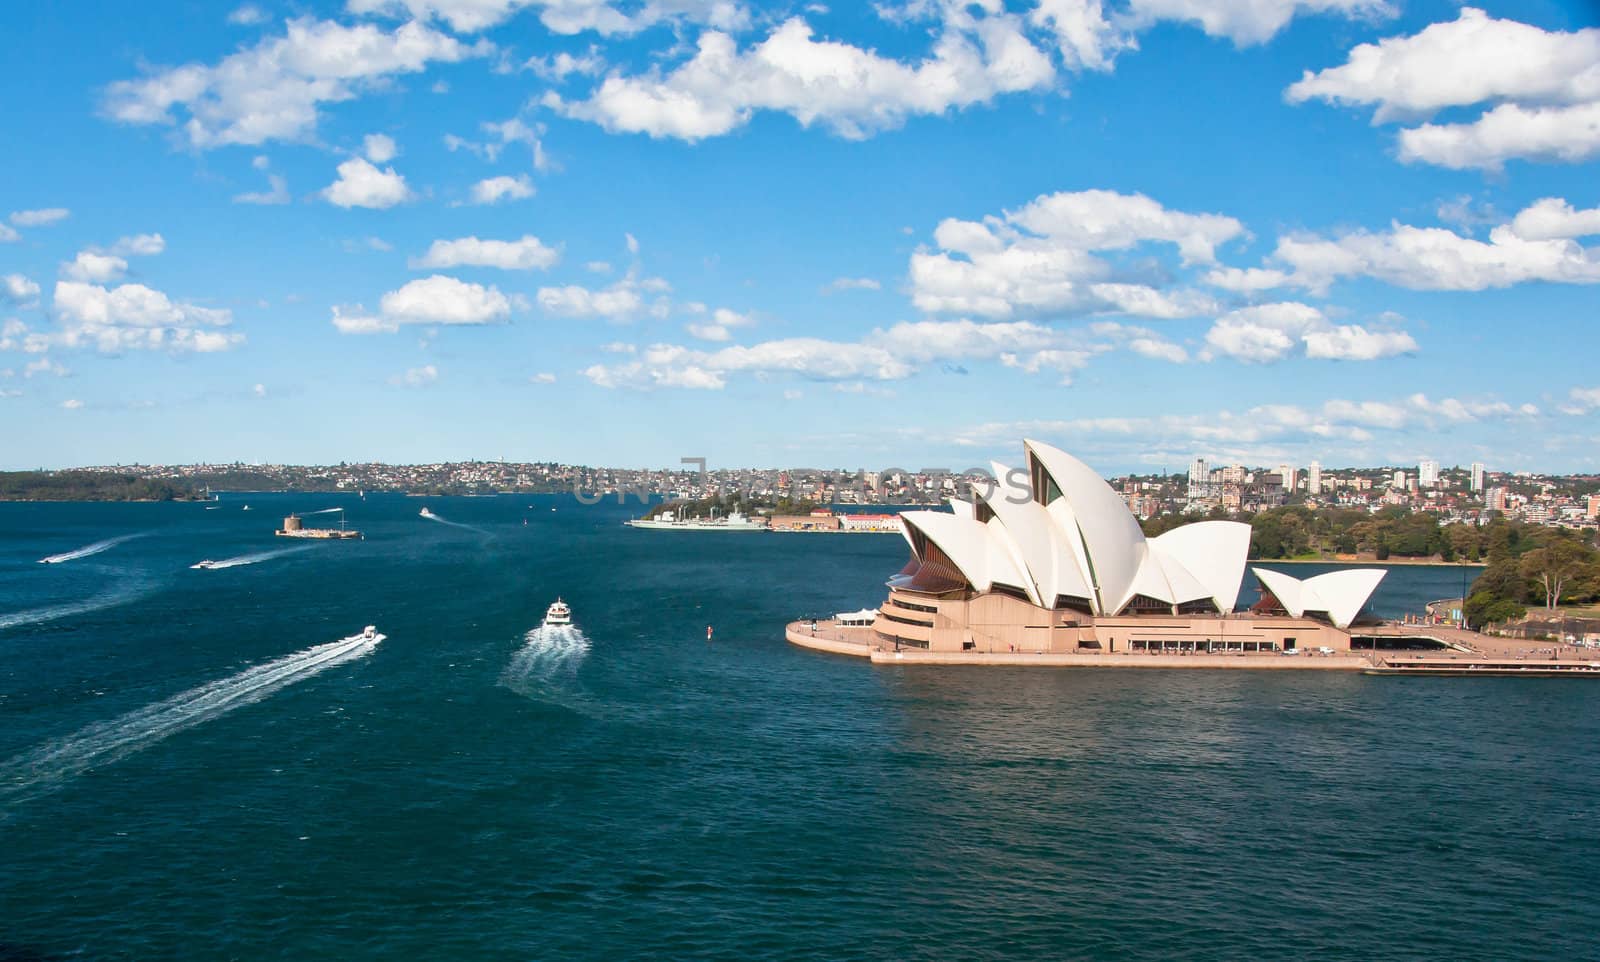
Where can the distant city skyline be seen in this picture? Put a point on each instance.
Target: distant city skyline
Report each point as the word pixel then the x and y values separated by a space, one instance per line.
pixel 619 232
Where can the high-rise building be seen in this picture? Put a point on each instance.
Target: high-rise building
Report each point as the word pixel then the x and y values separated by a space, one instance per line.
pixel 1314 479
pixel 1427 473
pixel 1286 472
pixel 1495 499
pixel 1477 475
pixel 1399 480
pixel 1592 509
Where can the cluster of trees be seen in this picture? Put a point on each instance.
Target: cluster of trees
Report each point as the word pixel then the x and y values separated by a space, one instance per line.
pixel 89 486
pixel 1532 565
pixel 1298 532
pixel 722 504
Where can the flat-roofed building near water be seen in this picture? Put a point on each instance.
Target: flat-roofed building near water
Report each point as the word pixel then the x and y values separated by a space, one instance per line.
pixel 1059 564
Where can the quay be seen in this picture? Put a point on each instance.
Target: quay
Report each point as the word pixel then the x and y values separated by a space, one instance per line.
pixel 1484 657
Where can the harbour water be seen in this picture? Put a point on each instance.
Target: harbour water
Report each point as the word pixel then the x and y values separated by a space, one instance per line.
pixel 190 766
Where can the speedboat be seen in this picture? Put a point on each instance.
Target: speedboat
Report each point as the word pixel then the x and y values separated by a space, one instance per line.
pixel 205 565
pixel 369 633
pixel 426 513
pixel 558 615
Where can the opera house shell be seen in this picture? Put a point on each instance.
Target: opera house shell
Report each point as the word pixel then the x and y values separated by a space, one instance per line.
pixel 1049 558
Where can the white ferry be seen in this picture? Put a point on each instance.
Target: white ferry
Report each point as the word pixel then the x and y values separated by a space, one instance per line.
pixel 558 615
pixel 669 521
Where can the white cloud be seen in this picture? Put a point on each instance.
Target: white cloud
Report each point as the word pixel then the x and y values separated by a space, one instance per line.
pixel 379 148
pixel 720 325
pixel 72 404
pixel 1544 87
pixel 526 254
pixel 18 289
pixel 1248 22
pixel 622 301
pixel 1158 349
pixel 8 235
pixel 1247 280
pixel 274 90
pixel 45 365
pixel 140 245
pixel 543 377
pixel 1433 258
pixel 94 267
pixel 416 377
pixel 360 184
pixel 248 15
pixel 437 299
pixel 632 242
pixel 1553 218
pixel 493 190
pixel 1582 400
pixel 277 193
pixel 851 284
pixel 561 16
pixel 852 91
pixel 501 135
pixel 563 65
pixel 260 390
pixel 134 317
pixel 1042 258
pixel 42 217
pixel 1265 333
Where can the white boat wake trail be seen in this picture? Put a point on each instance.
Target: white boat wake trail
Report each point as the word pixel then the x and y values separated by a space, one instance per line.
pixel 257 558
pixel 547 663
pixel 323 511
pixel 88 550
pixel 122 594
pixel 33 773
pixel 454 524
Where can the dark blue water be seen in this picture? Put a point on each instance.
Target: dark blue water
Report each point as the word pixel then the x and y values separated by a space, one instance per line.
pixel 471 791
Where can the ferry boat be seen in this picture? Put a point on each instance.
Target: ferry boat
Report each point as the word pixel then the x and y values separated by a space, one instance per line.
pixel 558 615
pixel 669 521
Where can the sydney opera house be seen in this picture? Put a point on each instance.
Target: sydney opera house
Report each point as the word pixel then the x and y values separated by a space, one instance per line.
pixel 1051 560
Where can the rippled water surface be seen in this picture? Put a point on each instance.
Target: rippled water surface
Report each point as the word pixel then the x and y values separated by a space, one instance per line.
pixel 191 767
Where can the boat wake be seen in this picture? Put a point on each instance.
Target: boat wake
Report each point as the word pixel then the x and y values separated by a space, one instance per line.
pixel 454 524
pixel 88 549
pixel 547 663
pixel 323 511
pixel 38 771
pixel 121 595
pixel 250 559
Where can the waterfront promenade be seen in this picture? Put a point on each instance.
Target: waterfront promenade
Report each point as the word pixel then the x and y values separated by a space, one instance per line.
pixel 1464 648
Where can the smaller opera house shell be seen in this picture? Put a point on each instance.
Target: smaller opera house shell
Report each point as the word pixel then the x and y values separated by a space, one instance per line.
pixel 1050 559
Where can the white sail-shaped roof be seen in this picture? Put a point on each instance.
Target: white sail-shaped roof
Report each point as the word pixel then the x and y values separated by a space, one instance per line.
pixel 1048 558
pixel 1112 539
pixel 1212 553
pixel 1075 538
pixel 1338 594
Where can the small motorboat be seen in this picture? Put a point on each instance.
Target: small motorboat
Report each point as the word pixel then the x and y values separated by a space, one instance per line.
pixel 427 514
pixel 205 565
pixel 558 615
pixel 369 633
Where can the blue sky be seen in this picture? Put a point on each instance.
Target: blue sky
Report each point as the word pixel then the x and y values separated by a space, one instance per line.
pixel 627 231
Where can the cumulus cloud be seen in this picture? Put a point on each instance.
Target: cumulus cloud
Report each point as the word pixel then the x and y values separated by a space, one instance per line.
pixel 379 148
pixel 1434 258
pixel 1265 333
pixel 1554 219
pixel 561 16
pixel 543 377
pixel 1043 258
pixel 274 90
pixel 132 317
pixel 1543 88
pixel 18 289
pixel 43 217
pixel 1249 22
pixel 438 299
pixel 622 301
pixel 95 267
pixel 8 234
pixel 528 253
pixel 493 190
pixel 851 91
pixel 719 325
pixel 248 15
pixel 361 184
